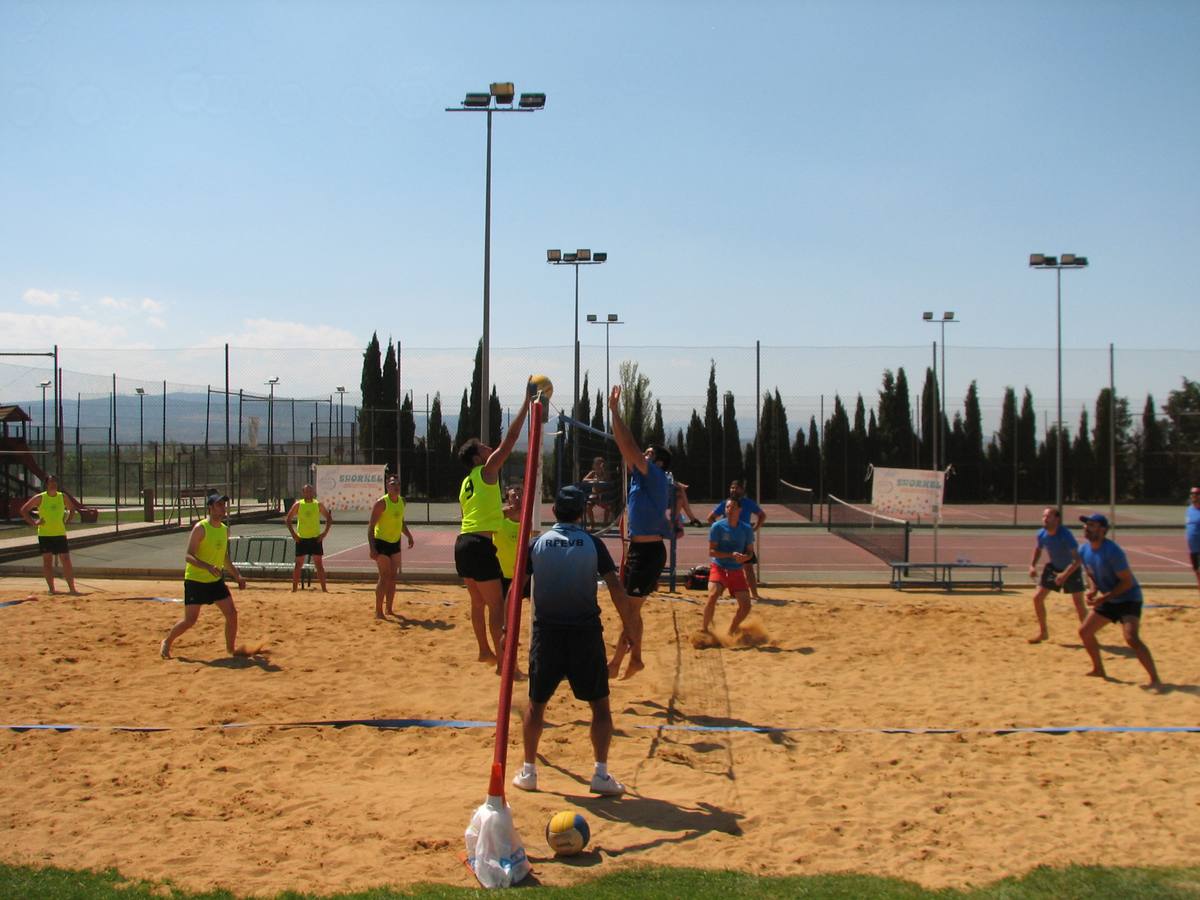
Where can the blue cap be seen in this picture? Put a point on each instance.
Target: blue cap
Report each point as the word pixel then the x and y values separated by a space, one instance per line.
pixel 1099 518
pixel 570 500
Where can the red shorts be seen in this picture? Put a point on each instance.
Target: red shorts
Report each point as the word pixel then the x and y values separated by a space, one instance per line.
pixel 733 579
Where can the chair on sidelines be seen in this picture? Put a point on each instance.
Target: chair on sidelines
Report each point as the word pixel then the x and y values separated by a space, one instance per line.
pixel 268 555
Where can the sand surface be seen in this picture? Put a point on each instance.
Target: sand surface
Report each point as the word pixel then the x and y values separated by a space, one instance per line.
pixel 262 809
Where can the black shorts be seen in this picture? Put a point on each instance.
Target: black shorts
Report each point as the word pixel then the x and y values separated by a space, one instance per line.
pixel 202 593
pixel 1196 561
pixel 475 557
pixel 643 564
pixel 313 547
pixel 56 543
pixel 384 548
pixel 1073 585
pixel 1118 610
pixel 577 654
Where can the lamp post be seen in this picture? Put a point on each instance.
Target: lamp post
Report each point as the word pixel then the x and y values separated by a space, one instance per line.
pixel 581 257
pixel 43 385
pixel 503 93
pixel 341 392
pixel 141 392
pixel 1066 261
pixel 271 436
pixel 939 437
pixel 609 321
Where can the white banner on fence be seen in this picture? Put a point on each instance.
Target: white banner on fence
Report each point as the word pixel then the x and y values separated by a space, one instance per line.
pixel 349 487
pixel 907 493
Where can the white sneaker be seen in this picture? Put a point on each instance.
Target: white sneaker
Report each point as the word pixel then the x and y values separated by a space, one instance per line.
pixel 526 781
pixel 607 786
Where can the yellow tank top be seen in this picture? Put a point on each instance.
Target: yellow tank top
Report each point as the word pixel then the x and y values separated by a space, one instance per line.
pixel 505 538
pixel 52 511
pixel 211 550
pixel 482 509
pixel 308 519
pixel 391 524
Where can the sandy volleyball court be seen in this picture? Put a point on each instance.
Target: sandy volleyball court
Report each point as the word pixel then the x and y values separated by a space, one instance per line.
pixel 269 807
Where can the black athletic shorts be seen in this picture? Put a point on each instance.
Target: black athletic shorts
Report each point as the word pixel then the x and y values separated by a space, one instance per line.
pixel 384 548
pixel 313 547
pixel 56 543
pixel 1073 585
pixel 475 557
pixel 1196 561
pixel 577 654
pixel 643 564
pixel 1118 610
pixel 202 593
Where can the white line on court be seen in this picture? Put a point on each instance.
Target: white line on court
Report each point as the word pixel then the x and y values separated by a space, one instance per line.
pixel 1174 562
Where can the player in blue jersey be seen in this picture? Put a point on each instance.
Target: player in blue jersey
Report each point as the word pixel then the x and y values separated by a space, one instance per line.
pixel 649 520
pixel 1193 531
pixel 751 514
pixel 1115 596
pixel 566 636
pixel 1062 571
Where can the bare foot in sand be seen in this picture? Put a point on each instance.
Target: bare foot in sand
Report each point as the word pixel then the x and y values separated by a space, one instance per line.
pixel 1038 638
pixel 486 656
pixel 380 617
pixel 1097 673
pixel 635 666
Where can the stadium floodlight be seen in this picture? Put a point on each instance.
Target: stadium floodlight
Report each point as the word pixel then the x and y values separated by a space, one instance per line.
pixel 927 316
pixel 581 257
pixel 1044 262
pixel 608 321
pixel 503 92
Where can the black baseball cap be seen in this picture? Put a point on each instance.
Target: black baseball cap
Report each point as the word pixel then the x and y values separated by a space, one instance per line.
pixel 570 500
pixel 214 497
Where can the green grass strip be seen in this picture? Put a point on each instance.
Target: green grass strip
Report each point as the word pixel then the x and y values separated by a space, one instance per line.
pixel 1074 882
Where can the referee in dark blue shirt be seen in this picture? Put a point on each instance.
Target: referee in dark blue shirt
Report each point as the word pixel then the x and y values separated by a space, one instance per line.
pixel 567 637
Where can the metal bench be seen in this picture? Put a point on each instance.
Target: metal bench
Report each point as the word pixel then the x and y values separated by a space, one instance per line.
pixel 268 555
pixel 941 575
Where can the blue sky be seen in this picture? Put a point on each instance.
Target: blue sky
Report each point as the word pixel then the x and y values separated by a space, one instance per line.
pixel 812 174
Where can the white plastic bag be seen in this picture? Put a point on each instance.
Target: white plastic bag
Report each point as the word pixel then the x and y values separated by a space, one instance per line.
pixel 494 849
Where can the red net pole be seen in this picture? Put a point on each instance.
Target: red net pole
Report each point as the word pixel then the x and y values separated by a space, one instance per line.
pixel 512 624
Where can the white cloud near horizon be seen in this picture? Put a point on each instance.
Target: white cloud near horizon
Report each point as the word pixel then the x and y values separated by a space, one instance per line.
pixel 275 334
pixel 38 331
pixel 113 303
pixel 150 305
pixel 38 297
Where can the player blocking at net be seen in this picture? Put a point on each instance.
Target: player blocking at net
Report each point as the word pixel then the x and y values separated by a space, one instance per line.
pixel 475 557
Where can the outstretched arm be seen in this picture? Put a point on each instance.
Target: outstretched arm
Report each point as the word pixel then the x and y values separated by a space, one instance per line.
pixel 491 468
pixel 630 451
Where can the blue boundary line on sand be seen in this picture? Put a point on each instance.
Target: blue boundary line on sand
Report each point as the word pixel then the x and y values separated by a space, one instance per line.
pixel 384 724
pixel 1048 729
pixel 397 724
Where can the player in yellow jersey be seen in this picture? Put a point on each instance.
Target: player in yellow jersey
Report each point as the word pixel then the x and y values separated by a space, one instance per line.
pixel 308 534
pixel 475 557
pixel 207 555
pixel 54 510
pixel 383 538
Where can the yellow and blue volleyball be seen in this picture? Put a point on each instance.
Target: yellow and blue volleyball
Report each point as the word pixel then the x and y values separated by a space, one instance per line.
pixel 543 384
pixel 567 833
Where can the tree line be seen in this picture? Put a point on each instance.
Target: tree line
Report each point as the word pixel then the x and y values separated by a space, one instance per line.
pixel 1157 458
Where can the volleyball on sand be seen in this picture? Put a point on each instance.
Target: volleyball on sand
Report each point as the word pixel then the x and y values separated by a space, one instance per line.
pixel 567 833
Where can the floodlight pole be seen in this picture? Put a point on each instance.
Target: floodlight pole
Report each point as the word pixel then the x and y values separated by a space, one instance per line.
pixel 502 93
pixel 1066 261
pixel 43 385
pixel 582 257
pixel 607 323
